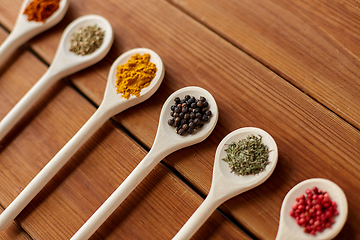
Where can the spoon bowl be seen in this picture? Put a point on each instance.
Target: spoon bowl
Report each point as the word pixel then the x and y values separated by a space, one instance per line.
pixel 166 141
pixel 166 132
pixel 24 30
pixel 288 228
pixel 226 184
pixel 34 27
pixel 113 100
pixel 244 183
pixel 69 62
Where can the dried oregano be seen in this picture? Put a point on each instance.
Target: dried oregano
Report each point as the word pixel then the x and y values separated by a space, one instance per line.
pixel 249 156
pixel 86 40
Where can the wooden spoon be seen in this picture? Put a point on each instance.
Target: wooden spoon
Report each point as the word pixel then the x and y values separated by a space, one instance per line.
pixel 289 229
pixel 226 184
pixel 166 142
pixel 24 30
pixel 65 63
pixel 111 105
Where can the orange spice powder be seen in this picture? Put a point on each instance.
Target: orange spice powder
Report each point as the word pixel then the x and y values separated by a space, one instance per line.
pixel 40 10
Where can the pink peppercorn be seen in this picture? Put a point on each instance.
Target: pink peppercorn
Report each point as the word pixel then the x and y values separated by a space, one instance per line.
pixel 315 211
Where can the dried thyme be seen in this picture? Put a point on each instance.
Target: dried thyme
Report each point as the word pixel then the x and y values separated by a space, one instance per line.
pixel 86 40
pixel 248 156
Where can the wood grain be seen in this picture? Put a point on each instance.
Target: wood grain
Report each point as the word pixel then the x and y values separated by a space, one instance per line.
pixel 301 126
pixel 312 44
pixel 14 232
pixel 161 202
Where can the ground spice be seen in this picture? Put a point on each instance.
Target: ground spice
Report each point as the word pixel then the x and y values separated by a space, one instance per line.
pixel 86 40
pixel 135 75
pixel 40 10
pixel 314 211
pixel 248 156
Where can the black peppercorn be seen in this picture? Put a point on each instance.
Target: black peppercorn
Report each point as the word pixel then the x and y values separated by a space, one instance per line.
pixel 189 114
pixel 205 118
pixel 177 120
pixel 181 131
pixel 197 121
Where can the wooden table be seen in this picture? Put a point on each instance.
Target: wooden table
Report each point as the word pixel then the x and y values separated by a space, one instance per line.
pixel 289 67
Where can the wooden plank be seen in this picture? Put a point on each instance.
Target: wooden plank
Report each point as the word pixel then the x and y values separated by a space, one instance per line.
pixel 14 232
pixel 260 98
pixel 247 93
pixel 162 202
pixel 312 44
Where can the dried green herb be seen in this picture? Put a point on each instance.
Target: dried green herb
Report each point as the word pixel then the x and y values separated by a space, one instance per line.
pixel 86 40
pixel 249 156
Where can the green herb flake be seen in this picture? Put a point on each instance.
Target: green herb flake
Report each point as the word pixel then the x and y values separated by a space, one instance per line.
pixel 249 156
pixel 86 40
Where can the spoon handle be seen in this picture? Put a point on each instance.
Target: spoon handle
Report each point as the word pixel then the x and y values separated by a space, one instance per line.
pixel 26 102
pixel 120 194
pixel 10 44
pixel 49 171
pixel 198 218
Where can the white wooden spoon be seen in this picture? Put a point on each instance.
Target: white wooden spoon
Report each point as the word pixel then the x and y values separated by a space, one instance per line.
pixel 225 184
pixel 289 229
pixel 64 63
pixel 166 142
pixel 112 104
pixel 24 30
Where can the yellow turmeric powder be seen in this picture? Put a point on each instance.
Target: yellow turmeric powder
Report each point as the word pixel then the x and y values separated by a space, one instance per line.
pixel 135 75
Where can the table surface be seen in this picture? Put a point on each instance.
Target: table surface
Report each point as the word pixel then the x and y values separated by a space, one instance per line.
pixel 291 68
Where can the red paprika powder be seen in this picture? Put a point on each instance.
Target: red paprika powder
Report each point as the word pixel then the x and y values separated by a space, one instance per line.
pixel 40 10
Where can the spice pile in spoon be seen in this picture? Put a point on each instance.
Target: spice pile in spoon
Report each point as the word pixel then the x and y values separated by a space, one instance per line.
pixel 86 40
pixel 135 75
pixel 189 114
pixel 248 156
pixel 314 211
pixel 40 10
